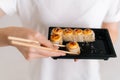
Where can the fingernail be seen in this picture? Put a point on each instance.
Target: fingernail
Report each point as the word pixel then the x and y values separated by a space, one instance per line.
pixel 63 54
pixel 54 46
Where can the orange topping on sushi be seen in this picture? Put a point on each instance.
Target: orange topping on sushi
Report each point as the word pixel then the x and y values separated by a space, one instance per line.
pixel 55 37
pixel 87 31
pixel 78 31
pixel 57 31
pixel 72 45
pixel 68 31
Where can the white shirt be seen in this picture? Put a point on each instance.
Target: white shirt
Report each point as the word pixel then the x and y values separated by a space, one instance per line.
pixel 40 14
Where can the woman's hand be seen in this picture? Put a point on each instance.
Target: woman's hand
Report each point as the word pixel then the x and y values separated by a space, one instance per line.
pixel 113 30
pixel 30 52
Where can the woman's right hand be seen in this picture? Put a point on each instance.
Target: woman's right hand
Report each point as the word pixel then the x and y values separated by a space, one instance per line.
pixel 30 52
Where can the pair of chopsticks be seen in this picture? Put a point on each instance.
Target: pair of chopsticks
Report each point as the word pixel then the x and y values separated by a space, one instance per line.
pixel 28 43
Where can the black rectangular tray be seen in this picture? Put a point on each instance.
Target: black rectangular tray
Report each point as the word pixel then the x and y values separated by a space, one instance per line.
pixel 102 48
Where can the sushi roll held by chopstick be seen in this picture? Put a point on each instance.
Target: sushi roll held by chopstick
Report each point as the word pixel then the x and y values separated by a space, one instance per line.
pixel 57 31
pixel 68 34
pixel 89 35
pixel 56 39
pixel 73 47
pixel 78 35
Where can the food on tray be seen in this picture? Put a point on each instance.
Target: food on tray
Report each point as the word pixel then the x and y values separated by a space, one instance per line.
pixel 68 34
pixel 89 35
pixel 87 49
pixel 78 35
pixel 73 47
pixel 56 39
pixel 57 31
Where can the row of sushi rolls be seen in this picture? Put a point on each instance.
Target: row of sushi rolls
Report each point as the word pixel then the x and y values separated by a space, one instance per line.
pixel 72 36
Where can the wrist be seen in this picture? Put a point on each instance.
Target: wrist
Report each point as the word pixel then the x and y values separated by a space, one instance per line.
pixel 4 37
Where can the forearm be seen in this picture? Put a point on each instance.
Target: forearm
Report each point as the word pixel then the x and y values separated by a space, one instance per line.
pixel 1 13
pixel 3 37
pixel 113 30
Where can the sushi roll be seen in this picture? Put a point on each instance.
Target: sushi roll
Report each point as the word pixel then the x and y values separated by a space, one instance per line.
pixel 68 34
pixel 89 35
pixel 78 35
pixel 73 47
pixel 57 31
pixel 56 39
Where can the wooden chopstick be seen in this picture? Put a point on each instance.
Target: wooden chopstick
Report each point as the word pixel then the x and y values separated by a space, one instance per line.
pixel 22 40
pixel 59 45
pixel 35 46
pixel 29 41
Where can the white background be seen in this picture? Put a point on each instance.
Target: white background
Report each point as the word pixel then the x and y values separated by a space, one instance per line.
pixel 13 66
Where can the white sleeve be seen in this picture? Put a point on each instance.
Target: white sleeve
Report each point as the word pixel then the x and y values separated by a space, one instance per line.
pixel 8 6
pixel 113 14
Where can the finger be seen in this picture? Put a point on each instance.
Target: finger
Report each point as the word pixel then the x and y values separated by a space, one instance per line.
pixel 51 53
pixel 35 56
pixel 46 53
pixel 44 41
pixel 24 52
pixel 34 39
pixel 56 47
pixel 75 60
pixel 29 55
